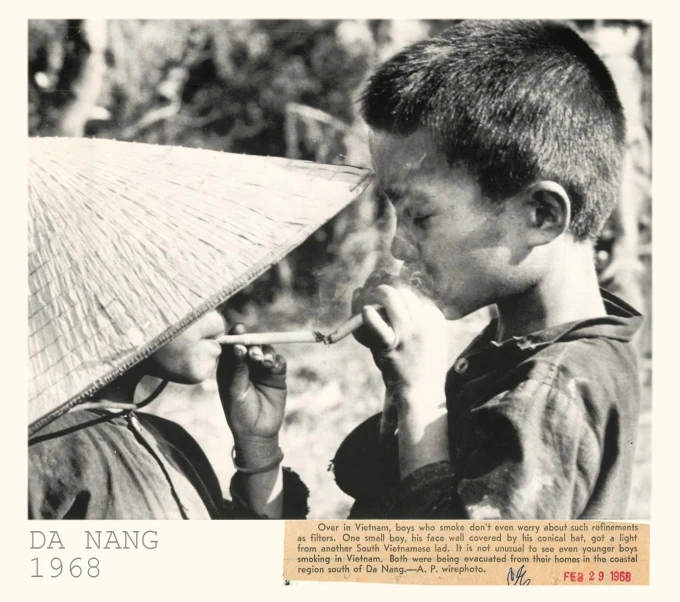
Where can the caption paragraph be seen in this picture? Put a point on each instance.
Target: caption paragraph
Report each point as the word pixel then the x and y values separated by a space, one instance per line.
pixel 468 552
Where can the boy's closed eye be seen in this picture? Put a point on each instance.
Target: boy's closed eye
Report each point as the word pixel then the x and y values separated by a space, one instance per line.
pixel 422 220
pixel 419 218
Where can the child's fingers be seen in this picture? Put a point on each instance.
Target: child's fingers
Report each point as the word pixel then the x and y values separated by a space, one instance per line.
pixel 425 315
pixel 238 328
pixel 386 336
pixel 255 353
pixel 268 355
pixel 414 304
pixel 273 377
pixel 270 369
pixel 238 351
pixel 279 365
pixel 366 295
pixel 395 308
pixel 410 298
pixel 233 374
pixel 363 296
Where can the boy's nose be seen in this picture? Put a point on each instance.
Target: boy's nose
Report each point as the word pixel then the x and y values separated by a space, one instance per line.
pixel 403 249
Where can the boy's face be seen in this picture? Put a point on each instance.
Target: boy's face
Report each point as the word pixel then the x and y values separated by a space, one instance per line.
pixel 190 357
pixel 463 246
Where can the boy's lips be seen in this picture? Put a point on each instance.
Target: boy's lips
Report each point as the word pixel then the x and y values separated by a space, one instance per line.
pixel 212 339
pixel 215 344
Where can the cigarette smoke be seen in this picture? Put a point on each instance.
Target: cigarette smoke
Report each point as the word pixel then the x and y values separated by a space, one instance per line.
pixel 417 280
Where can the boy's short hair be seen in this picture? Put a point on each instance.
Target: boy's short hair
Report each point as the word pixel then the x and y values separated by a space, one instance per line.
pixel 515 101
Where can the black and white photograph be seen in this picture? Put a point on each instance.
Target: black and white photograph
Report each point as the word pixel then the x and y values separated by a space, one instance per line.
pixel 331 269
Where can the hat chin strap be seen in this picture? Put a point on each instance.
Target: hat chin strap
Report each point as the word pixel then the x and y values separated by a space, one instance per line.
pixel 115 405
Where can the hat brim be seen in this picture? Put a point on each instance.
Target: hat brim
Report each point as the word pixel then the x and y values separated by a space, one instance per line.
pixel 131 243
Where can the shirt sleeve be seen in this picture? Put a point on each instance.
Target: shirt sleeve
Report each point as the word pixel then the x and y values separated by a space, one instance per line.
pixel 428 492
pixel 528 453
pixel 62 475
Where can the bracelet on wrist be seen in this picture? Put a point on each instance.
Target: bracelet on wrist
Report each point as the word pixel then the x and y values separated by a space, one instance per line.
pixel 278 458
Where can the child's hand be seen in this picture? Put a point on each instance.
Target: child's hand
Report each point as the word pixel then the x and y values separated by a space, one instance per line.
pixel 252 387
pixel 412 354
pixel 410 348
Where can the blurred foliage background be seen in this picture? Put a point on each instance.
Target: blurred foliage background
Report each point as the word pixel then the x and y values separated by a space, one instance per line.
pixel 290 88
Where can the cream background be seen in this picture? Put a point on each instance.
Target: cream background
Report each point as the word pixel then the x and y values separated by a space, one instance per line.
pixel 244 560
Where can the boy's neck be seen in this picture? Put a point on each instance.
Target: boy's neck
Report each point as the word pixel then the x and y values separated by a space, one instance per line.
pixel 569 292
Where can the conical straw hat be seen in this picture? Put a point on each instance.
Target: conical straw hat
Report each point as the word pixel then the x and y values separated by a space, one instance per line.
pixel 130 243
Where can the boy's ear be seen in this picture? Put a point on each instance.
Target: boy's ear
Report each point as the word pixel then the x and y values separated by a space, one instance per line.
pixel 549 211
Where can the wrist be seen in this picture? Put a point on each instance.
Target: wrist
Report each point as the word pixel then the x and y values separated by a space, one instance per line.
pixel 255 466
pixel 251 451
pixel 249 440
pixel 418 409
pixel 422 442
pixel 419 399
pixel 417 423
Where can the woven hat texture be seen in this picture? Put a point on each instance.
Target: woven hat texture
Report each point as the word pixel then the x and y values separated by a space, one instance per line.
pixel 130 243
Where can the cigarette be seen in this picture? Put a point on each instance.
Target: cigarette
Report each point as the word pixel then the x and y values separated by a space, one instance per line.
pixel 300 336
pixel 354 323
pixel 272 338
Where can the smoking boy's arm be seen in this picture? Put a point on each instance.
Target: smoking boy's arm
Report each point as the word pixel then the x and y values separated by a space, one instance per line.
pixel 422 429
pixel 412 355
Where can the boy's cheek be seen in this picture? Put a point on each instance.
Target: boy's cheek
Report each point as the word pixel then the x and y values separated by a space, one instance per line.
pixel 184 361
pixel 192 371
pixel 203 361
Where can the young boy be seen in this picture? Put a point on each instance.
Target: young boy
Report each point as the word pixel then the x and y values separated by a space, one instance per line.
pixel 101 462
pixel 499 145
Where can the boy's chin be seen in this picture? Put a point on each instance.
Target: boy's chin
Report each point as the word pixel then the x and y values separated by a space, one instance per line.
pixel 195 374
pixel 456 311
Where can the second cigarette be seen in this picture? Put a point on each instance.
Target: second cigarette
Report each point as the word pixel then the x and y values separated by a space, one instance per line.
pixel 271 338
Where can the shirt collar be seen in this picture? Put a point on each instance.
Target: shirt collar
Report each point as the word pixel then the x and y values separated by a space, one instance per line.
pixel 620 324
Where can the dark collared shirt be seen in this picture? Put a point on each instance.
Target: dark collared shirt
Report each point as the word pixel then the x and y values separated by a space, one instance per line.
pixel 93 464
pixel 540 427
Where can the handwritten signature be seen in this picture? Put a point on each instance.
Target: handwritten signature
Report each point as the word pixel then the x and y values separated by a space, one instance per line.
pixel 517 578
